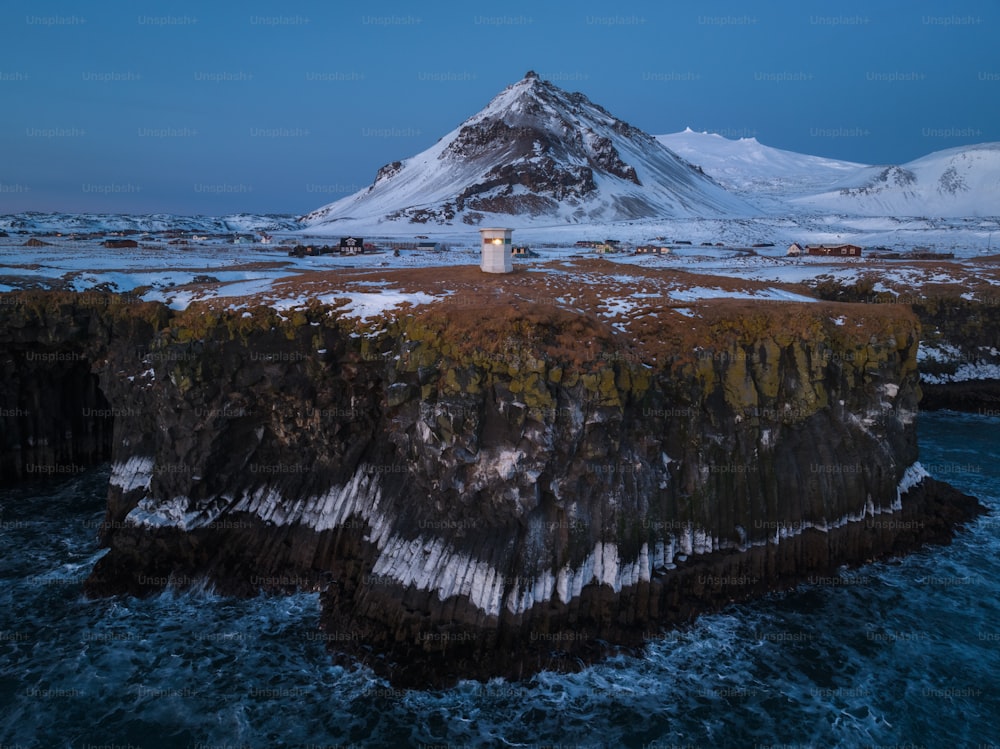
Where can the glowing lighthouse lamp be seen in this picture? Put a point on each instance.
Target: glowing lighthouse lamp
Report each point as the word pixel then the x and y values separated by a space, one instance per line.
pixel 495 256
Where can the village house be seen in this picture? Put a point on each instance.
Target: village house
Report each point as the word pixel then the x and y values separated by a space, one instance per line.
pixel 652 249
pixel 840 250
pixel 607 245
pixel 352 245
pixel 794 250
pixel 430 246
pixel 300 250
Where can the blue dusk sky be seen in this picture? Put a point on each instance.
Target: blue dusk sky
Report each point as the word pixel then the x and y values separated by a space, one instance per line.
pixel 199 108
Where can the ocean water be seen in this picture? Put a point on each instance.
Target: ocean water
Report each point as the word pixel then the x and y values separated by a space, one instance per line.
pixel 898 653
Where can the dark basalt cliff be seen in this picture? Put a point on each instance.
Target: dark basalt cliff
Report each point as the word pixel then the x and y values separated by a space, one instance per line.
pixel 960 341
pixel 54 416
pixel 487 493
pixel 961 367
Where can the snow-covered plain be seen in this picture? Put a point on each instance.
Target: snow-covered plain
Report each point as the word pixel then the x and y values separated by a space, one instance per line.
pixel 213 267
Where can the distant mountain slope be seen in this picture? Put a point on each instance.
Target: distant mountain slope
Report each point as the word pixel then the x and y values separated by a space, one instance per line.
pixel 537 153
pixel 154 222
pixel 956 182
pixel 752 169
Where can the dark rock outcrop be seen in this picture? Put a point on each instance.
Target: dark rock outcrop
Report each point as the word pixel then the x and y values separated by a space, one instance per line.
pixel 511 488
pixel 960 366
pixel 959 341
pixel 54 417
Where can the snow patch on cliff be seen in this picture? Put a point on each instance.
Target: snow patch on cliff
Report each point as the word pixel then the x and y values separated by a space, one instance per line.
pixel 429 564
pixel 360 304
pixel 173 513
pixel 359 496
pixel 965 373
pixel 912 476
pixel 432 564
pixel 134 473
pixel 503 462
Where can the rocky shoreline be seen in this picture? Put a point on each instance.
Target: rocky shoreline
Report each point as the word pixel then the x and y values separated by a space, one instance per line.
pixel 484 494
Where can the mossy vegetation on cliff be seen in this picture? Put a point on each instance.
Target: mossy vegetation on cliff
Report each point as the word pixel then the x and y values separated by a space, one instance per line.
pixel 781 358
pixel 532 351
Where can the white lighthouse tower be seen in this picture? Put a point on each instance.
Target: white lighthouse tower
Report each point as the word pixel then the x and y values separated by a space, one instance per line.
pixel 496 251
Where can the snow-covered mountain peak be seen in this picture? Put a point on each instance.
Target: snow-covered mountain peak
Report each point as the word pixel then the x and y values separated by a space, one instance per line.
pixel 536 151
pixel 757 171
pixel 955 182
pixel 537 100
